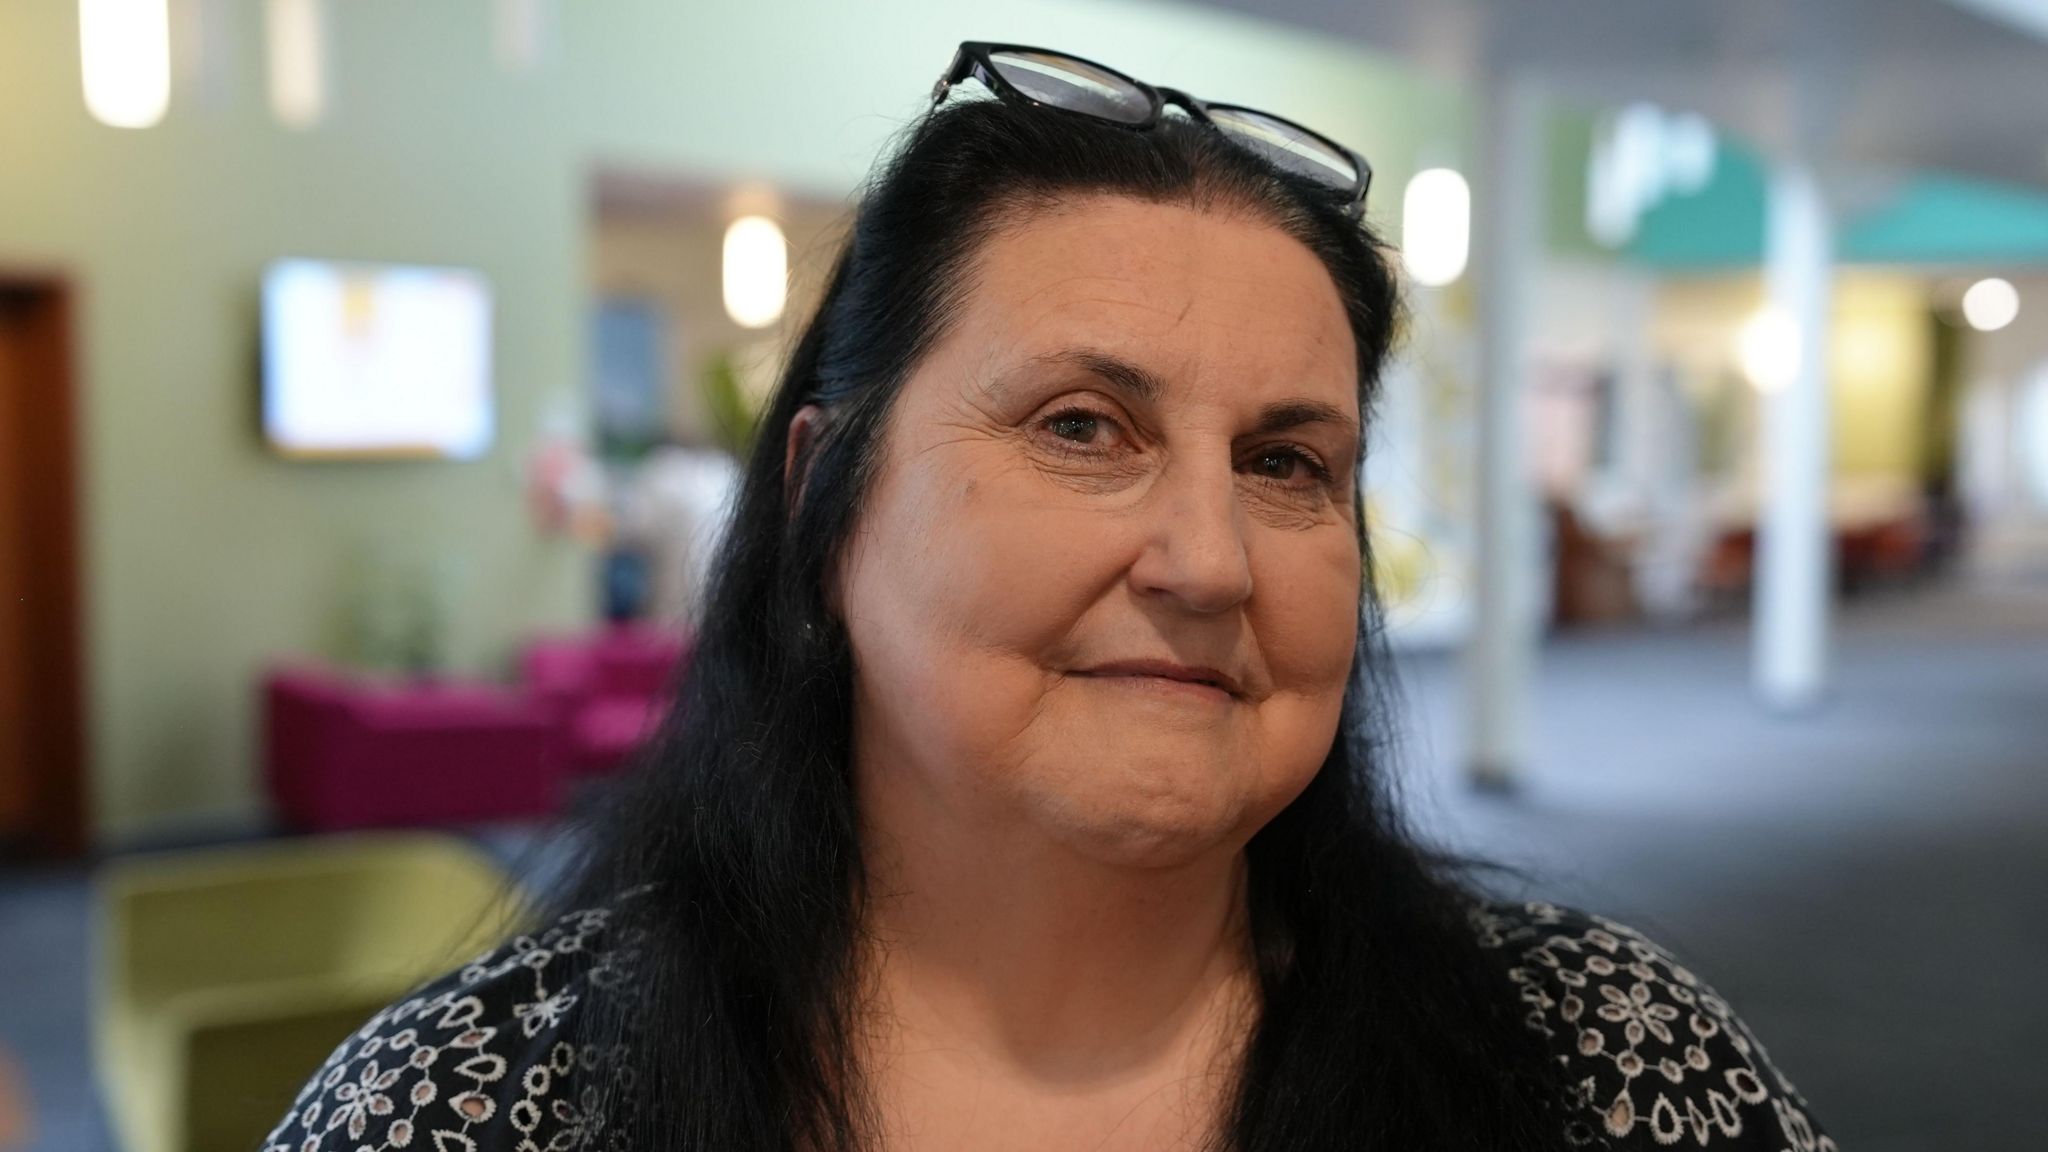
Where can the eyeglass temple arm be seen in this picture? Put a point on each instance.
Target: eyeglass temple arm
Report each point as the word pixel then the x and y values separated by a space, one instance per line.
pixel 967 61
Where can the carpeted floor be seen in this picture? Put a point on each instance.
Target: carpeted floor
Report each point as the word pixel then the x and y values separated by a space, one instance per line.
pixel 1864 884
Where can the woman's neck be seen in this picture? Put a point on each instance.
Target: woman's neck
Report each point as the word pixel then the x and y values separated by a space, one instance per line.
pixel 1103 999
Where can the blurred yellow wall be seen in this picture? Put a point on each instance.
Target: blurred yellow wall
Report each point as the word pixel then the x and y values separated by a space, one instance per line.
pixel 205 555
pixel 1883 364
pixel 1880 358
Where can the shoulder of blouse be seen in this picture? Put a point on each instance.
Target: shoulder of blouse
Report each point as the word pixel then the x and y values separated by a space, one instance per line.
pixel 1657 1057
pixel 487 1056
pixel 482 1058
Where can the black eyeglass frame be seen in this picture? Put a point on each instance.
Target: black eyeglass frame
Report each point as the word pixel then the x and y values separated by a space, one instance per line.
pixel 972 60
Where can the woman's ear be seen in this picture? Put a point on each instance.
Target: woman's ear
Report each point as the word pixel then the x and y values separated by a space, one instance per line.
pixel 797 450
pixel 796 453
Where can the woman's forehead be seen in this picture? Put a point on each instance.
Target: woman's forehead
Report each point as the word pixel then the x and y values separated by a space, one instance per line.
pixel 1187 294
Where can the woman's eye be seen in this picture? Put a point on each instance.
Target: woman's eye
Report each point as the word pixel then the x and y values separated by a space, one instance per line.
pixel 1078 425
pixel 1280 465
pixel 1290 466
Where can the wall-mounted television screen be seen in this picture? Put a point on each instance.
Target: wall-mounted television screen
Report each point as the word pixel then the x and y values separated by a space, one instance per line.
pixel 376 361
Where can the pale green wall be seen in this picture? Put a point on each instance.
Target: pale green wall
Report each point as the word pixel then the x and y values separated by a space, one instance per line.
pixel 206 556
pixel 809 92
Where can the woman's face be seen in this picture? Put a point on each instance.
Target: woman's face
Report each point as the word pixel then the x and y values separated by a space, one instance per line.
pixel 1138 442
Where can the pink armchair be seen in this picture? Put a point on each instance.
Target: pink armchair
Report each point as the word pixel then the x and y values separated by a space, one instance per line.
pixel 342 752
pixel 609 690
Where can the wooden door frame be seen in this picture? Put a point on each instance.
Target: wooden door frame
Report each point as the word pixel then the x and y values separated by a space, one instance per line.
pixel 56 634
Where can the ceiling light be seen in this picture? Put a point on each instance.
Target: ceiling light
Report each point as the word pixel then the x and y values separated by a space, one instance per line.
pixel 1769 350
pixel 1991 304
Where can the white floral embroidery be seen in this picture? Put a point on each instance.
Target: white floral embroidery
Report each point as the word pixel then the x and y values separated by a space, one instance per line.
pixel 1657 1057
pixel 473 1061
pixel 484 1059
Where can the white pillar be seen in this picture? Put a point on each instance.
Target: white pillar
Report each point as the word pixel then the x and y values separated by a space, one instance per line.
pixel 1794 573
pixel 1638 462
pixel 1501 658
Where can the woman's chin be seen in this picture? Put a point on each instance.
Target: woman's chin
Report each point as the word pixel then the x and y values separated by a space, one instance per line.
pixel 1151 831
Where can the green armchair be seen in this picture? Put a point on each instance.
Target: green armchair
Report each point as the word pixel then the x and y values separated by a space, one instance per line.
pixel 225 976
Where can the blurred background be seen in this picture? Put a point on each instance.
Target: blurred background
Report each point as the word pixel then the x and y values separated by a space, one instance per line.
pixel 372 375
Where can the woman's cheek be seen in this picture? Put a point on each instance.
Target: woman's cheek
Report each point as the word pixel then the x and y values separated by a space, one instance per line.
pixel 1307 613
pixel 1015 563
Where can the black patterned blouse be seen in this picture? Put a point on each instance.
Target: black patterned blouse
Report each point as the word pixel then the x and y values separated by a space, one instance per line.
pixel 479 1060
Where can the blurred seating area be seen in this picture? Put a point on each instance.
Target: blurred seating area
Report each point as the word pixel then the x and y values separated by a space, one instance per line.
pixel 350 749
pixel 604 694
pixel 346 752
pixel 223 976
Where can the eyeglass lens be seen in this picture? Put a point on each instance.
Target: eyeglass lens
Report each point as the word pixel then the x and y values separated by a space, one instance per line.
pixel 1287 146
pixel 1068 83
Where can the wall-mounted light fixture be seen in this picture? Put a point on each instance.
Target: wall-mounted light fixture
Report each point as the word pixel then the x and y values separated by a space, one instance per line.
pixel 296 32
pixel 1436 226
pixel 756 271
pixel 522 33
pixel 124 49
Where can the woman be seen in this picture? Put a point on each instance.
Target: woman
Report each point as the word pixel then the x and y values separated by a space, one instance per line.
pixel 1024 793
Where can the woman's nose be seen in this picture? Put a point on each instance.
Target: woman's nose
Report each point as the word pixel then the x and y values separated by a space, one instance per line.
pixel 1196 550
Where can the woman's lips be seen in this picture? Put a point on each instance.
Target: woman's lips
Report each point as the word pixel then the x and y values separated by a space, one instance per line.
pixel 1184 681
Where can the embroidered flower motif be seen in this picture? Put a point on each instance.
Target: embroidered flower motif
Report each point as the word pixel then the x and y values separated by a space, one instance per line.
pixel 362 1099
pixel 1636 1013
pixel 544 1014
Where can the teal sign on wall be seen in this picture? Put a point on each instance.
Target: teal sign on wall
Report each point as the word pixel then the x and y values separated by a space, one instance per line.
pixel 1931 219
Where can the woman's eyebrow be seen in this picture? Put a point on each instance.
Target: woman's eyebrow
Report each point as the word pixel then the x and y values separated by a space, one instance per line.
pixel 1131 379
pixel 1141 383
pixel 1281 415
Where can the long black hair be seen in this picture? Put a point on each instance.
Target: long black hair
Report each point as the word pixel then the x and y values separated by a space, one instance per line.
pixel 1380 1023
